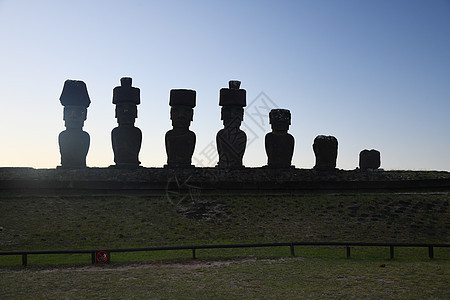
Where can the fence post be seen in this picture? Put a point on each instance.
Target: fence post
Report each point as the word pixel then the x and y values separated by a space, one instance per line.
pixel 292 250
pixel 24 260
pixel 193 253
pixel 391 251
pixel 93 258
pixel 348 252
pixel 430 252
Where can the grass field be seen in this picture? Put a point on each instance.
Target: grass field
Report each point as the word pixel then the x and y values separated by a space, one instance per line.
pixel 244 278
pixel 122 220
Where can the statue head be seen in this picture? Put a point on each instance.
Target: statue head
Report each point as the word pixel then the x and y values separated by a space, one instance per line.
pixel 181 116
pixel 232 116
pixel 126 113
pixel 74 116
pixel 280 119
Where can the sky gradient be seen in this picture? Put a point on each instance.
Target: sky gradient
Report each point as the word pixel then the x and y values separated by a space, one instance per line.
pixel 374 74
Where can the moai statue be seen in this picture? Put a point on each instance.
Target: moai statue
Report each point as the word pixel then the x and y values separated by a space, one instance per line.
pixel 231 141
pixel 180 141
pixel 74 142
pixel 126 138
pixel 369 159
pixel 326 149
pixel 279 143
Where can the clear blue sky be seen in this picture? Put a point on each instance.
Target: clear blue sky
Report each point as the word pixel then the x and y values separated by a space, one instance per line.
pixel 375 74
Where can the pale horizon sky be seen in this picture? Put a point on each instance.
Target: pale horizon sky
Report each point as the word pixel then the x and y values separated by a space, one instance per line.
pixel 374 74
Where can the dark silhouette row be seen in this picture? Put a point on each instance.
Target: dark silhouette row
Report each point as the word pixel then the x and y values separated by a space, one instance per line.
pixel 180 141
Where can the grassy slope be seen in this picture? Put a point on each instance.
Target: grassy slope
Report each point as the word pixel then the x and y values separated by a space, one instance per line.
pixel 120 220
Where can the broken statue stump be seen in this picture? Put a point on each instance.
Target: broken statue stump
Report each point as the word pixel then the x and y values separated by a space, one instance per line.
pixel 326 150
pixel 369 159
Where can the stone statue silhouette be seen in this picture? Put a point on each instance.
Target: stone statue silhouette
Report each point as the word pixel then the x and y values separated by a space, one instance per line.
pixel 326 149
pixel 279 143
pixel 126 138
pixel 231 140
pixel 369 159
pixel 74 142
pixel 180 141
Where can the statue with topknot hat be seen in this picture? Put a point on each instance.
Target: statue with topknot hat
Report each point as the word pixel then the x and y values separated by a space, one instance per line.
pixel 231 140
pixel 74 142
pixel 126 138
pixel 180 141
pixel 279 143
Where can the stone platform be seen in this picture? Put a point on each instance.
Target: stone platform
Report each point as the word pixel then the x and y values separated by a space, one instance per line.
pixel 214 179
